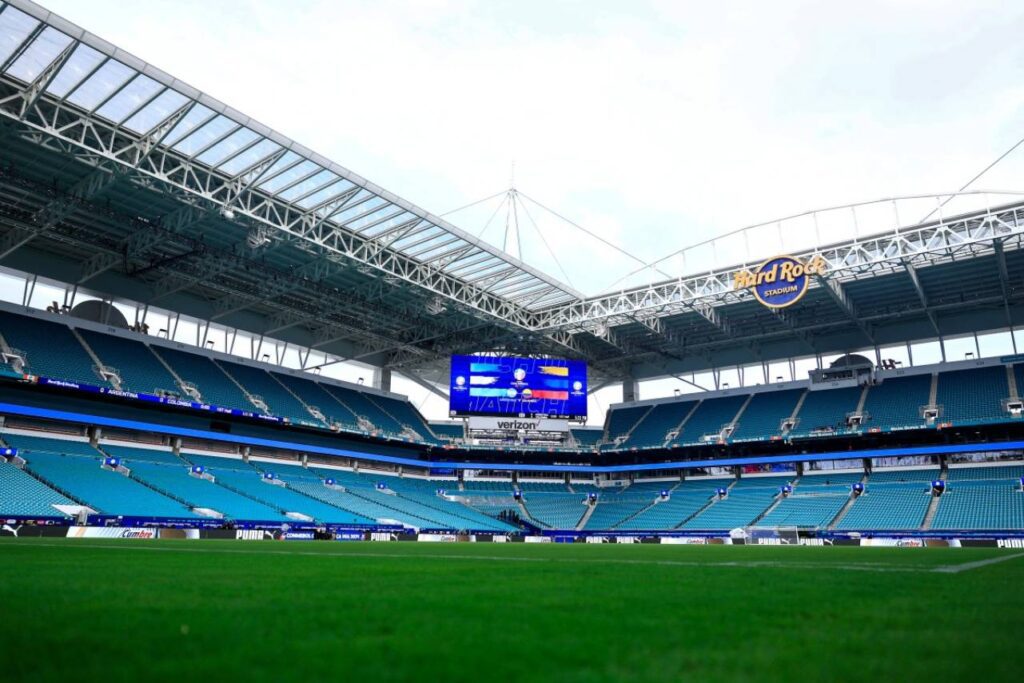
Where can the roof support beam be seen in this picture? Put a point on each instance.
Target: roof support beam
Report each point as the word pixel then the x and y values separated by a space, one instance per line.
pixel 922 297
pixel 1004 284
pixel 839 296
pixel 429 386
pixel 140 242
pixel 57 210
pixel 38 86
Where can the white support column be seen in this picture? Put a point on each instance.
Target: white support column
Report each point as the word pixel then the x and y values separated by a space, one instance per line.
pixel 382 379
pixel 630 390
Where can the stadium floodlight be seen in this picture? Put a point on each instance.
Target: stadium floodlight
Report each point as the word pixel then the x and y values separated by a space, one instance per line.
pixel 228 213
pixel 436 306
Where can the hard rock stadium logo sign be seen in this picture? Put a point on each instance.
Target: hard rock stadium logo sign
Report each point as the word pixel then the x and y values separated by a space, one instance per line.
pixel 780 281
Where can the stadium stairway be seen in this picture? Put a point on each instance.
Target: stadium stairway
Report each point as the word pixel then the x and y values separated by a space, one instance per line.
pixel 618 508
pixel 985 497
pixel 50 349
pixel 710 418
pixel 261 388
pixel 314 395
pixel 892 499
pixel 653 429
pixel 105 371
pixel 823 412
pixel 166 473
pixel 23 494
pixel 846 508
pixel 763 415
pixel 586 517
pixel 138 368
pixel 212 383
pixel 102 489
pixel 621 422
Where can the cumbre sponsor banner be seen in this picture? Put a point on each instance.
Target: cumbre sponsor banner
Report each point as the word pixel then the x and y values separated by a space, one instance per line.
pixel 111 532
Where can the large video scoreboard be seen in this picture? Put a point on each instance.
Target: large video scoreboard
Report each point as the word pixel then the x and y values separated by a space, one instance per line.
pixel 518 387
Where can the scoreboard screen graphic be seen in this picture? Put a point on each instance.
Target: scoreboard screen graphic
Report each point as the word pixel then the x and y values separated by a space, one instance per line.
pixel 518 387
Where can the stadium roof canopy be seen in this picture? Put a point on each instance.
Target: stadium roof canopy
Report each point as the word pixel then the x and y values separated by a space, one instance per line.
pixel 118 178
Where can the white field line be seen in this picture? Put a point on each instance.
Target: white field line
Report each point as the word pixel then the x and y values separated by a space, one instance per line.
pixel 967 566
pixel 948 569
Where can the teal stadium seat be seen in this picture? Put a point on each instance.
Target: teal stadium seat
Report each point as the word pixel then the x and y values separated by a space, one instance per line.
pixel 407 415
pixel 710 416
pixel 763 416
pixel 214 386
pixel 973 396
pixel 555 510
pixel 897 402
pixel 893 499
pixel 280 402
pixel 452 430
pixel 811 509
pixel 249 482
pixel 824 411
pixel 50 348
pixel 176 482
pixel 668 514
pixel 652 430
pixel 315 395
pixel 361 404
pixel 103 490
pixel 585 438
pixel 24 495
pixel 983 505
pixel 139 369
pixel 621 421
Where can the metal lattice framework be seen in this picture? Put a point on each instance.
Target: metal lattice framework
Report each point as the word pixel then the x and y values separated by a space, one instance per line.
pixel 300 243
pixel 116 112
pixel 942 241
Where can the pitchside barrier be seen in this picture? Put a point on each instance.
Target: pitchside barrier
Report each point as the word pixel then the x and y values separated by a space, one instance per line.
pixel 762 536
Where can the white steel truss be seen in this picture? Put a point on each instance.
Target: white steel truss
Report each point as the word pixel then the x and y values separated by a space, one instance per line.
pixel 64 89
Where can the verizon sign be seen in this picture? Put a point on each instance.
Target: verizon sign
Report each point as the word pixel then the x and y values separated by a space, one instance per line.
pixel 516 424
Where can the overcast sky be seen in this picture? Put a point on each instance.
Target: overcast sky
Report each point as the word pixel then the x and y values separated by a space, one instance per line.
pixel 653 124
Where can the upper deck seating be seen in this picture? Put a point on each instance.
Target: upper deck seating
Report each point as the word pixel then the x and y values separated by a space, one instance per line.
pixel 51 349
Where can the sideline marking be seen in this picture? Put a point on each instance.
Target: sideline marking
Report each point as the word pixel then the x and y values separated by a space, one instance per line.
pixel 967 566
pixel 749 564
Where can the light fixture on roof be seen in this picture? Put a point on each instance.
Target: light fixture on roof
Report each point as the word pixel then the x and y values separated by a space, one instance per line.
pixel 228 213
pixel 435 306
pixel 258 237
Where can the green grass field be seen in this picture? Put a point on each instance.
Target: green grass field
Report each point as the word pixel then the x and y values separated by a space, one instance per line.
pixel 92 610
